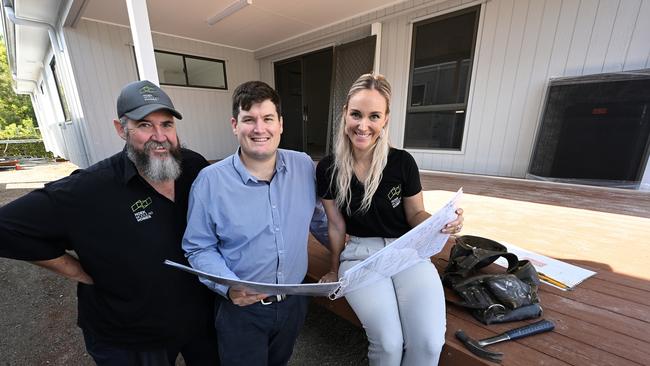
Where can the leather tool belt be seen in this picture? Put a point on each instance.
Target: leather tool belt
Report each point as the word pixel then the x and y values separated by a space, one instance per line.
pixel 492 298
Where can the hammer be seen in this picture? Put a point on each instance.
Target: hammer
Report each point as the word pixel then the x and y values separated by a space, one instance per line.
pixel 476 347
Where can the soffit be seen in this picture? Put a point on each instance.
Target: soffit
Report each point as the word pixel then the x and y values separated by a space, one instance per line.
pixel 32 43
pixel 261 24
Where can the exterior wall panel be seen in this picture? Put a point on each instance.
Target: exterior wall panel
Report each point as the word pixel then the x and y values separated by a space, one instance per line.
pixel 521 44
pixel 103 60
pixel 638 55
pixel 531 99
pixel 63 138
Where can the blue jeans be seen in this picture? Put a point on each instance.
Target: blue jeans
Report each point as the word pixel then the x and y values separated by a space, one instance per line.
pixel 404 316
pixel 259 334
pixel 199 352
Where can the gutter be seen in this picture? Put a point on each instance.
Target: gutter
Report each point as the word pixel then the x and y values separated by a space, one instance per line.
pixel 35 23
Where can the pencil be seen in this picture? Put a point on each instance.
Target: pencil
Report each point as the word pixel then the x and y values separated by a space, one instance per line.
pixel 552 281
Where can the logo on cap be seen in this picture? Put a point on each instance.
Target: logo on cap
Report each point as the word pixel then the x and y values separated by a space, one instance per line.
pixel 146 92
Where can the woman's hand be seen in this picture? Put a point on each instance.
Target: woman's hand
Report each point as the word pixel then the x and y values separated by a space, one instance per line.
pixel 455 226
pixel 330 276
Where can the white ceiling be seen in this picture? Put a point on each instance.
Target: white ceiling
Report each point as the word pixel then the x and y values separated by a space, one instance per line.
pixel 256 26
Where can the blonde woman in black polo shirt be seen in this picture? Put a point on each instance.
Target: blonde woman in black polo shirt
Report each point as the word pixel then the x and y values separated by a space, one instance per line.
pixel 372 192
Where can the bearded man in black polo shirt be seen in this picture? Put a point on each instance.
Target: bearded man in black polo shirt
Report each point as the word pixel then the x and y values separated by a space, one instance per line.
pixel 123 217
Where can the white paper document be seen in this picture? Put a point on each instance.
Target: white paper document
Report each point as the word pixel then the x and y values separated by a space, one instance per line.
pixel 562 272
pixel 419 243
pixel 309 289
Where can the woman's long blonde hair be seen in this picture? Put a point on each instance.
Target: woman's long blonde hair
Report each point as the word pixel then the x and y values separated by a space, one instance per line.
pixel 343 153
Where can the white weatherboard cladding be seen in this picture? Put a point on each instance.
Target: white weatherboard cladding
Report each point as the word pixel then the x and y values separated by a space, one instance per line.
pixel 63 138
pixel 520 45
pixel 103 63
pixel 103 60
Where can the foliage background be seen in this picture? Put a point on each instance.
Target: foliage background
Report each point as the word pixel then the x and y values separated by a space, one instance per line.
pixel 16 117
pixel 16 113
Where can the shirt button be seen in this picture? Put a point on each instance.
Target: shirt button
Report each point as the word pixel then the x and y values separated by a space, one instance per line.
pixel 277 228
pixel 272 206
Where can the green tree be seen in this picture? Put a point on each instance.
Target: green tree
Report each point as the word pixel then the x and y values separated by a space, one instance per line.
pixel 16 112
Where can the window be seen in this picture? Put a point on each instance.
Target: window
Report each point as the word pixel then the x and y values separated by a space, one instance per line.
pixel 185 70
pixel 59 89
pixel 441 64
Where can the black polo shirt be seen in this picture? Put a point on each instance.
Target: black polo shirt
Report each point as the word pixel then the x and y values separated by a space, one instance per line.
pixel 122 230
pixel 386 217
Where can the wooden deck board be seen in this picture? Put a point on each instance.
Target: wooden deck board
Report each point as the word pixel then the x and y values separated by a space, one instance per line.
pixel 525 354
pixel 590 335
pixel 638 296
pixel 562 343
pixel 612 200
pixel 579 310
pixel 582 237
pixel 624 281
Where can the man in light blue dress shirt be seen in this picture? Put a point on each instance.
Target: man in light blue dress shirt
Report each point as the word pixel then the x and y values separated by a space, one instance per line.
pixel 249 218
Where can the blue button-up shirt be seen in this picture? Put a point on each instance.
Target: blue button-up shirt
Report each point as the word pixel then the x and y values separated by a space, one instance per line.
pixel 241 227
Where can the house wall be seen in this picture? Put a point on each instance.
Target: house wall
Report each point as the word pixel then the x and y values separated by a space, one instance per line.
pixel 520 45
pixel 62 137
pixel 102 57
pixel 65 138
pixel 47 124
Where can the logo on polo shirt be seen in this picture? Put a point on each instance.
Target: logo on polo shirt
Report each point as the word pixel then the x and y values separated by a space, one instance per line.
pixel 395 195
pixel 139 209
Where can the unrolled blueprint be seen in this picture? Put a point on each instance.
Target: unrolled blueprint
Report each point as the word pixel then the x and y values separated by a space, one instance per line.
pixel 419 243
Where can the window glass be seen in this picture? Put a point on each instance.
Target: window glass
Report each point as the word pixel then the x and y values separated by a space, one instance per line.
pixel 170 68
pixel 434 130
pixel 208 73
pixel 60 90
pixel 185 70
pixel 441 63
pixel 442 55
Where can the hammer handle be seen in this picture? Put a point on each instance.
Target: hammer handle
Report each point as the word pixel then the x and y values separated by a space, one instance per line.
pixel 530 329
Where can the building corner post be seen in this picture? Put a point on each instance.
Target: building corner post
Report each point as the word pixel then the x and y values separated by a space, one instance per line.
pixel 142 41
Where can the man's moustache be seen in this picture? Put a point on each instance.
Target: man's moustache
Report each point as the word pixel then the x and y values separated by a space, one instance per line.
pixel 152 145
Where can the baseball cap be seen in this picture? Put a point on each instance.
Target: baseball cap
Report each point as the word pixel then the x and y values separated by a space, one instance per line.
pixel 139 98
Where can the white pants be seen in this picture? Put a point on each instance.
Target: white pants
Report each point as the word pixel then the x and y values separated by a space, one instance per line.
pixel 404 316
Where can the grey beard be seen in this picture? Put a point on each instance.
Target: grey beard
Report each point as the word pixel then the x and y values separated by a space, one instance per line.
pixel 157 170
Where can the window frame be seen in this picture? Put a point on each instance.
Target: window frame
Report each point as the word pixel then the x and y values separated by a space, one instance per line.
pixel 187 79
pixel 60 92
pixel 477 9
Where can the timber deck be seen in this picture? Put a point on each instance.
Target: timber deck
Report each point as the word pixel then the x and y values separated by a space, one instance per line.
pixel 603 321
